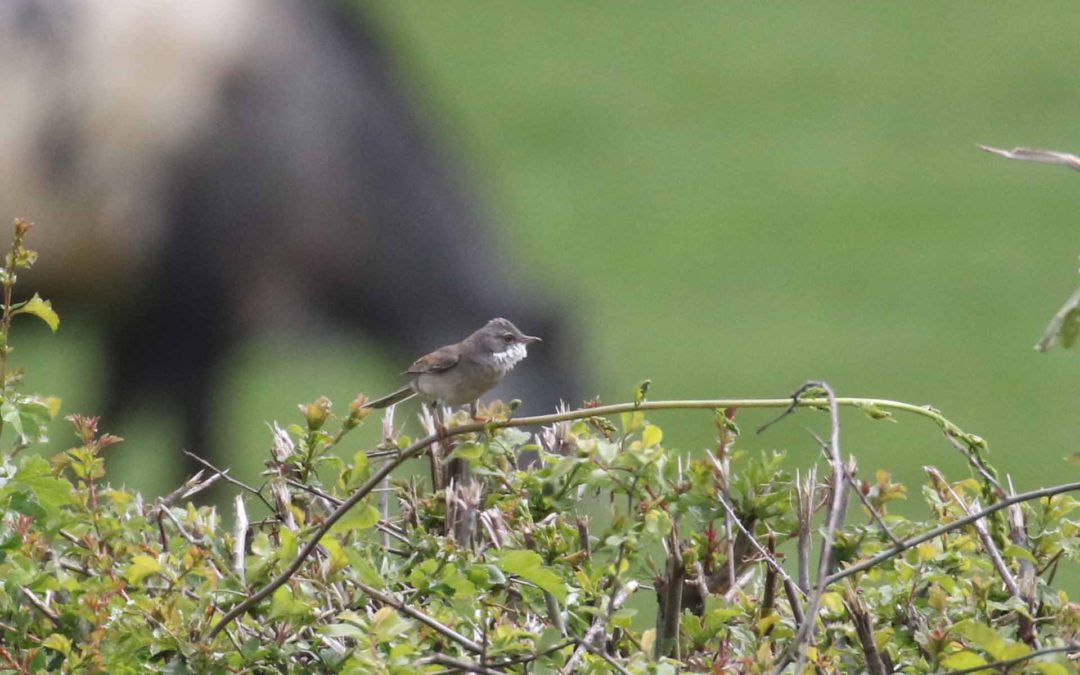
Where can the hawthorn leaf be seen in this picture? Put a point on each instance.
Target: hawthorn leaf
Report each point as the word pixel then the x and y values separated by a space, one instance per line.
pixel 360 517
pixel 141 567
pixel 963 659
pixel 387 624
pixel 43 310
pixel 530 566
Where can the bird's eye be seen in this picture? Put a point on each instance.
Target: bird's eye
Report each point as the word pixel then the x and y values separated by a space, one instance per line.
pixel 508 338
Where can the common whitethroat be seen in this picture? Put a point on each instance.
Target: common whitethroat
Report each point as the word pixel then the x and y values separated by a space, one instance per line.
pixel 461 373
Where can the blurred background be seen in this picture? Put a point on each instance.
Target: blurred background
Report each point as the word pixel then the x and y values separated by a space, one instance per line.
pixel 729 199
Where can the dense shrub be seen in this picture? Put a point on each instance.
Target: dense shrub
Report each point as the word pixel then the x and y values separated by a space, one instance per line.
pixel 475 565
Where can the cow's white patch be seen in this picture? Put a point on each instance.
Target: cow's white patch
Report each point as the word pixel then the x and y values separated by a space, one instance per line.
pixel 506 360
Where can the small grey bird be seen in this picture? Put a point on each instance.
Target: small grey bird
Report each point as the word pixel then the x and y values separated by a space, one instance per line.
pixel 461 373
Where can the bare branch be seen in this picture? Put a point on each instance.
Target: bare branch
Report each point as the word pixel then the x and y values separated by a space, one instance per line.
pixel 864 629
pixel 980 529
pixel 400 606
pixel 459 665
pixel 607 657
pixel 804 511
pixel 834 523
pixel 976 463
pixel 164 511
pixel 240 540
pixel 42 606
pixel 1026 582
pixel 230 480
pixel 1036 155
pixel 667 619
pixel 850 477
pixel 600 625
pixel 949 527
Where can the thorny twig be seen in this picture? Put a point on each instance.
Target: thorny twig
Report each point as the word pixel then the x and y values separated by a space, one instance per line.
pixel 850 477
pixel 980 529
pixel 836 518
pixel 49 612
pixel 804 512
pixel 864 630
pixel 738 523
pixel 405 609
pixel 599 625
pixel 232 481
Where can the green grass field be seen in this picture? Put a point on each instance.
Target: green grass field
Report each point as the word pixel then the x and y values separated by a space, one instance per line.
pixel 743 196
pixel 735 198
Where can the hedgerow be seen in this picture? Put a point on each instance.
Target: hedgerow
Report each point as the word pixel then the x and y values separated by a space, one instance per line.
pixel 362 564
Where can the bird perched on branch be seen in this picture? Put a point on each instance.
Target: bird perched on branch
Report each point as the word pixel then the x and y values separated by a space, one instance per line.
pixel 461 373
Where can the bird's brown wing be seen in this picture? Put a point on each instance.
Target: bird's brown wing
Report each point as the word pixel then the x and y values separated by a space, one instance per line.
pixel 435 362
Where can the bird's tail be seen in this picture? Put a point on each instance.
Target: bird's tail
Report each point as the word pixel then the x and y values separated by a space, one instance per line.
pixel 398 396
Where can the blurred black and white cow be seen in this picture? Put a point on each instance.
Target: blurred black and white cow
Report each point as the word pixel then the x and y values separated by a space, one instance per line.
pixel 203 168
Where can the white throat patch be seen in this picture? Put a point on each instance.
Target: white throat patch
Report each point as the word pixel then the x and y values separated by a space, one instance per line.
pixel 506 360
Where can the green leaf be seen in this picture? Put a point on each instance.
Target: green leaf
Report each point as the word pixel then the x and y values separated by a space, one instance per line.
pixel 359 468
pixel 387 624
pixel 283 604
pixel 519 561
pixel 962 660
pixel 651 436
pixel 9 412
pixel 833 604
pixel 640 391
pixel 58 642
pixel 360 517
pixel 467 450
pixel 657 522
pixel 42 309
pixel 335 553
pixel 875 412
pixel 459 582
pixel 26 505
pixel 530 566
pixel 345 630
pixel 361 564
pixel 982 636
pixel 289 545
pixel 1014 551
pixel 141 567
pixel 631 421
pixel 623 617
pixel 250 648
pixel 36 474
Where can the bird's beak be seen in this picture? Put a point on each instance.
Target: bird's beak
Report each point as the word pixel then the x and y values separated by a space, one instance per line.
pixel 529 339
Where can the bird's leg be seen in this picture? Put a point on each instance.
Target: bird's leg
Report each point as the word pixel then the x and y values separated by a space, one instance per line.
pixel 439 450
pixel 457 469
pixel 474 410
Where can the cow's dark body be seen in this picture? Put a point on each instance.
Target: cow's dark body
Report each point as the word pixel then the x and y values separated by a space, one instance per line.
pixel 309 187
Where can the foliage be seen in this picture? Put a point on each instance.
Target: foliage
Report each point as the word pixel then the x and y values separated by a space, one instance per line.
pixel 481 566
